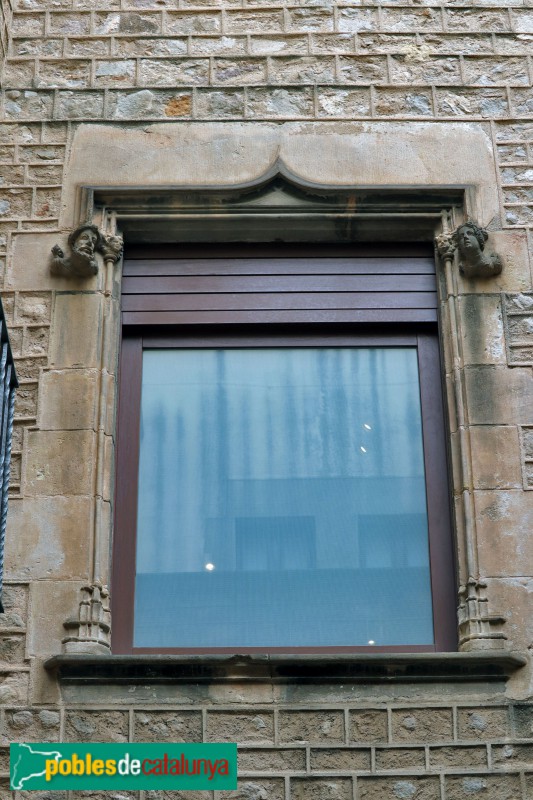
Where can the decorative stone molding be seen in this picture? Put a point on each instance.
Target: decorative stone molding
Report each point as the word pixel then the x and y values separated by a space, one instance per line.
pixel 468 240
pixel 478 630
pixel 90 631
pixel 84 242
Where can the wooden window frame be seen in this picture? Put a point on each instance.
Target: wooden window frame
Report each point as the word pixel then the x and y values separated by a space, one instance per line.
pixel 442 562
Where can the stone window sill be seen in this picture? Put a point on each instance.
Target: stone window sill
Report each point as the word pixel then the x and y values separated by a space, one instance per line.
pixel 360 668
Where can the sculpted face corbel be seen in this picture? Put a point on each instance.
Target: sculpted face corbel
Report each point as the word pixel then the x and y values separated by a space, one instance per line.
pixel 84 243
pixel 475 260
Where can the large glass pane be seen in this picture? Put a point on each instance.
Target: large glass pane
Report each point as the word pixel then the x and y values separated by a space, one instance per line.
pixel 281 499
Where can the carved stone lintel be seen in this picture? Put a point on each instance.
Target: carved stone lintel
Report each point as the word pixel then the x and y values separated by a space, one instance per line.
pixel 84 242
pixel 475 260
pixel 90 631
pixel 478 630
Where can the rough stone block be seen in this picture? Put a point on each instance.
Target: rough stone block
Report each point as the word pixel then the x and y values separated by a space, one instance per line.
pixel 473 19
pixel 28 24
pixel 25 725
pixel 187 794
pixel 340 759
pixel 76 105
pixel 354 20
pixel 71 74
pixel 38 154
pixel 127 22
pixel 495 457
pixel 26 401
pixel 336 102
pixel 239 71
pixel 512 756
pixel 302 69
pixel 321 789
pixel 462 757
pixel 425 70
pixel 272 103
pixel 310 19
pixel 15 601
pixel 220 104
pixel 496 71
pixel 70 24
pixel 59 462
pixel 482 723
pixel 96 726
pixel 146 103
pixel 270 760
pixel 14 688
pixel 161 726
pixel 330 43
pixel 409 19
pixel 457 43
pixel 422 725
pixel 33 308
pixel 173 72
pixel 181 23
pixel 111 73
pixel 404 788
pixel 89 47
pixel 257 789
pixel 12 649
pixel 400 758
pixel 15 203
pixel 368 726
pixel 35 340
pixel 46 173
pixel 393 102
pixel 311 726
pixel 465 102
pixel 502 787
pixel 220 45
pixel 242 728
pixel 363 70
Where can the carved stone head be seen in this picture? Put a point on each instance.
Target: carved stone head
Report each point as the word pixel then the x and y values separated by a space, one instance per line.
pixel 85 241
pixel 474 260
pixel 470 239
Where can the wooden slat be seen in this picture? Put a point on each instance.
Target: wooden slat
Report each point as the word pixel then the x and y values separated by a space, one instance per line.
pixel 302 300
pixel 279 316
pixel 278 283
pixel 278 266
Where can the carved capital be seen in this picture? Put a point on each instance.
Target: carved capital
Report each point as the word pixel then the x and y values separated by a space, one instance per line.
pixel 445 245
pixel 112 248
pixel 478 630
pixel 84 243
pixel 90 631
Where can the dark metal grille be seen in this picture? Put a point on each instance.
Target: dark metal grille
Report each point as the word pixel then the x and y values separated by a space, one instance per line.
pixel 8 384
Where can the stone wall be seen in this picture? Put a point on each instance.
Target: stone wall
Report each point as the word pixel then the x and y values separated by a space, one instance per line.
pixel 173 92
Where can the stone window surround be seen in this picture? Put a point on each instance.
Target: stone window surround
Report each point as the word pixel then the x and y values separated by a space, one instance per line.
pixel 435 209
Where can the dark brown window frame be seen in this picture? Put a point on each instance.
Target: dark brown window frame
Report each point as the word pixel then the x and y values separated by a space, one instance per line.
pixel 423 335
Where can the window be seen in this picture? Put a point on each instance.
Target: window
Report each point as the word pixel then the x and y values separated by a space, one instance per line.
pixel 280 489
